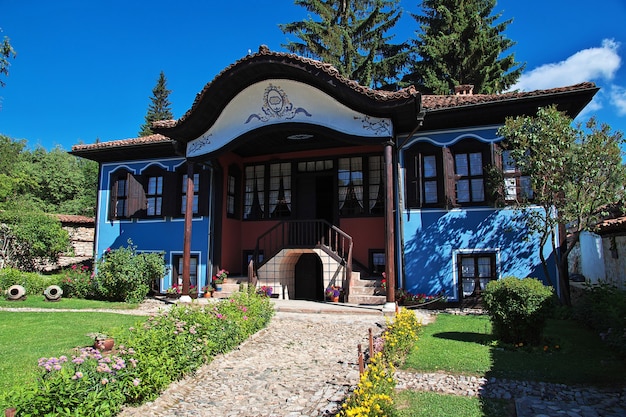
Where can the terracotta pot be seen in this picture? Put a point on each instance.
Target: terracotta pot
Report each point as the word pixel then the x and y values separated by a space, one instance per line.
pixel 334 299
pixel 208 294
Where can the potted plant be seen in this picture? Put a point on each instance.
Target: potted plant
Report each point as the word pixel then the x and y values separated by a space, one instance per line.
pixel 218 279
pixel 208 291
pixel 102 341
pixel 265 291
pixel 174 291
pixel 333 292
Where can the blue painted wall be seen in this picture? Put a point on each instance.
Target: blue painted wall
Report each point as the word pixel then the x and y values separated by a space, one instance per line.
pixel 150 235
pixel 433 238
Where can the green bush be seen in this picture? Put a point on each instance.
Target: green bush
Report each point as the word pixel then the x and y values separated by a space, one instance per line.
pixel 518 308
pixel 147 358
pixel 77 282
pixel 125 275
pixel 602 307
pixel 33 283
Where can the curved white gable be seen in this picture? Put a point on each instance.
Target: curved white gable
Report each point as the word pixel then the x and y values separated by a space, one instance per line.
pixel 285 101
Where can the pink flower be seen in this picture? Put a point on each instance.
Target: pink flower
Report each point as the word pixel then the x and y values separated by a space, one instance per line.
pixel 136 381
pixel 104 381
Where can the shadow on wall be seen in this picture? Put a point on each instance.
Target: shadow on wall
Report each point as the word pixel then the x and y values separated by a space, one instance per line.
pixel 431 239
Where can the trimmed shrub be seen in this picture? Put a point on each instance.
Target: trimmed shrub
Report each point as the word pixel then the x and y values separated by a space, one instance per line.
pixel 33 282
pixel 602 307
pixel 518 308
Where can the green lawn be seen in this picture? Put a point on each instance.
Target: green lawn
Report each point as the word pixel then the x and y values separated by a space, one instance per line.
pixel 27 336
pixel 38 301
pixel 458 345
pixel 464 345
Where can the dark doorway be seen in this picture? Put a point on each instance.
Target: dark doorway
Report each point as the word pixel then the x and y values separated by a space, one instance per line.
pixel 308 278
pixel 316 198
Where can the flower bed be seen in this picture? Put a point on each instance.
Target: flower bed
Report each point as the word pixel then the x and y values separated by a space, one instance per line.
pixel 373 394
pixel 95 384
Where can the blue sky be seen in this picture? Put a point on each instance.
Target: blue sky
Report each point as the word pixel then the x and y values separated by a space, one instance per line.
pixel 86 69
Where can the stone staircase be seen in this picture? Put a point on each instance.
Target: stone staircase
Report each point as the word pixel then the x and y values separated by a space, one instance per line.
pixel 366 291
pixel 230 286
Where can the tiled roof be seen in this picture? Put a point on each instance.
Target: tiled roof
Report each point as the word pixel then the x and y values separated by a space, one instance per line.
pixel 436 102
pixel 75 219
pixel 265 53
pixel 156 138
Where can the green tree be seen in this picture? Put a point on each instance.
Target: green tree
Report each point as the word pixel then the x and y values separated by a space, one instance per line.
pixel 351 36
pixel 6 52
pixel 460 42
pixel 30 238
pixel 575 172
pixel 159 108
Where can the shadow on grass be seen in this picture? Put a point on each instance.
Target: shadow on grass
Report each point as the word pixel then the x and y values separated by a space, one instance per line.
pixel 471 337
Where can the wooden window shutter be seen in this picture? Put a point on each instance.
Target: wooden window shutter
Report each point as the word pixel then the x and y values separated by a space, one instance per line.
pixel 412 180
pixel 203 192
pixel 449 177
pixel 136 197
pixel 112 194
pixel 171 195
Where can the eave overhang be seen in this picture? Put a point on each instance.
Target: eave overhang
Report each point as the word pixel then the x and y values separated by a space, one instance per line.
pixel 401 107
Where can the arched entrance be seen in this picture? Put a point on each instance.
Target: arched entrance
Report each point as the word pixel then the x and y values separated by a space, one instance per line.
pixel 308 278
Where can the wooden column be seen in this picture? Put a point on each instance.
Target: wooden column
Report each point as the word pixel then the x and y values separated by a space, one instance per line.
pixel 188 221
pixel 390 269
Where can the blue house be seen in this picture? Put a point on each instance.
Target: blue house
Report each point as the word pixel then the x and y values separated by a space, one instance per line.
pixel 287 174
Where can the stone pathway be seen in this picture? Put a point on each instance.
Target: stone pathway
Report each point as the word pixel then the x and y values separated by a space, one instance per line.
pixel 532 399
pixel 300 365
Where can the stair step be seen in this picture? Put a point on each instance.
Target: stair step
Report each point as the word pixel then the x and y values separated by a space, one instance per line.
pixel 367 299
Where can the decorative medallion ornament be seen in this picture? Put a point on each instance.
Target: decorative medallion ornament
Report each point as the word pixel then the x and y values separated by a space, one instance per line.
pixel 276 105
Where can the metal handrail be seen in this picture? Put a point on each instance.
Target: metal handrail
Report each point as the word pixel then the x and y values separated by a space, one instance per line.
pixel 290 234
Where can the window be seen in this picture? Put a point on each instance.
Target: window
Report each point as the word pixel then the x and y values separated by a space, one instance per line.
pixel 377 261
pixel 196 191
pixel 177 276
pixel 424 176
pixel 127 196
pixel 232 192
pixel 350 177
pixel 376 185
pixel 516 185
pixel 154 196
pixel 475 271
pixel 254 193
pixel 469 171
pixel 120 206
pixel 280 190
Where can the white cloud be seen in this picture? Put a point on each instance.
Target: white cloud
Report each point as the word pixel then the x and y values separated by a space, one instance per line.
pixel 586 65
pixel 618 99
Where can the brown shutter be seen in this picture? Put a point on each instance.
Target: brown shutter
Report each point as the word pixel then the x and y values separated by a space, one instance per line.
pixel 112 194
pixel 204 191
pixel 449 177
pixel 136 197
pixel 171 198
pixel 412 180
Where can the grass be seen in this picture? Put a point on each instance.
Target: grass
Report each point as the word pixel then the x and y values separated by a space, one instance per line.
pixel 465 345
pixel 27 336
pixel 430 404
pixel 38 301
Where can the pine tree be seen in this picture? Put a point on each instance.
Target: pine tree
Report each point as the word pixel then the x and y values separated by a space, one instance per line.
pixel 6 52
pixel 350 35
pixel 459 43
pixel 159 108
